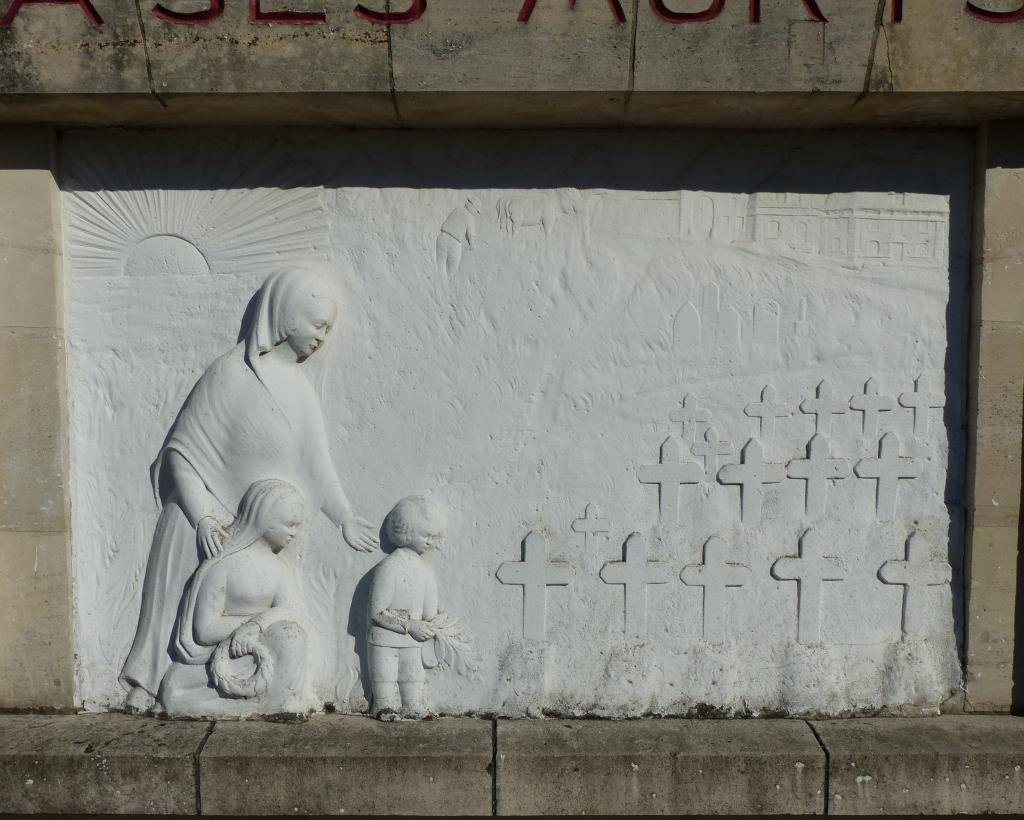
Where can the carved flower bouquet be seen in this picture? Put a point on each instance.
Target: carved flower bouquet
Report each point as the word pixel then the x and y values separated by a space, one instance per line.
pixel 453 647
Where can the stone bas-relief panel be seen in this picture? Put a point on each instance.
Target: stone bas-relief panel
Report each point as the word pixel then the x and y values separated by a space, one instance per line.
pixel 450 439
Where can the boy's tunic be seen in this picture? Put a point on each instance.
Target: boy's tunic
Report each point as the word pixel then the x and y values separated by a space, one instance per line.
pixel 404 583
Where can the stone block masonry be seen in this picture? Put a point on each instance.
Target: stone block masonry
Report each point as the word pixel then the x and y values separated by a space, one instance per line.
pixel 341 765
pixel 97 764
pixel 952 765
pixel 348 765
pixel 36 654
pixel 659 767
pixel 459 63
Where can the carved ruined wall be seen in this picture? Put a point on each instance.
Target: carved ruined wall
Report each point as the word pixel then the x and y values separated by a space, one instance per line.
pixel 641 333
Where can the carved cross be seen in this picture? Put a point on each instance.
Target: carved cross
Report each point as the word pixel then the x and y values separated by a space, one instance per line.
pixel 823 407
pixel 810 570
pixel 711 450
pixel 817 470
pixel 689 415
pixel 870 403
pixel 535 574
pixel 716 574
pixel 887 470
pixel 634 573
pixel 751 473
pixel 767 410
pixel 921 401
pixel 918 572
pixel 669 475
pixel 591 525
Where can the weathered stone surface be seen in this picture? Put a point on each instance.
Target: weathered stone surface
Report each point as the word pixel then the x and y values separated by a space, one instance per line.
pixel 981 56
pixel 463 47
pixel 467 46
pixel 659 767
pixel 507 109
pixel 348 765
pixel 32 497
pixel 233 55
pixel 785 51
pixel 31 350
pixel 536 109
pixel 994 498
pixel 996 416
pixel 945 765
pixel 36 653
pixel 991 617
pixel 51 48
pixel 97 764
pixel 30 251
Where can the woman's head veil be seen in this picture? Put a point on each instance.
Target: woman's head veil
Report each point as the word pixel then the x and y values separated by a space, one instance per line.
pixel 276 302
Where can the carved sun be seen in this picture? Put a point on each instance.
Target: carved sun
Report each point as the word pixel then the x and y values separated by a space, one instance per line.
pixel 238 208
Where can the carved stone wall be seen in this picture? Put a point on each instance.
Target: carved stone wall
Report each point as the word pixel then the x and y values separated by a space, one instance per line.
pixel 694 406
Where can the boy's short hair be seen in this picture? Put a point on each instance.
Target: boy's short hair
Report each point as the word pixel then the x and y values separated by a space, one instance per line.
pixel 412 513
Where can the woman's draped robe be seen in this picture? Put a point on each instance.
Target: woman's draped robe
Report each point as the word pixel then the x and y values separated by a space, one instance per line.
pixel 233 429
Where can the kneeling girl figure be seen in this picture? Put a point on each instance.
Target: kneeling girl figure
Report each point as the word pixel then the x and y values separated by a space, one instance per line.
pixel 403 602
pixel 239 647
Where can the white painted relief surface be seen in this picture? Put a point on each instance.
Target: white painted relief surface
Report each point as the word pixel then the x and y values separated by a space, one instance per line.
pixel 450 424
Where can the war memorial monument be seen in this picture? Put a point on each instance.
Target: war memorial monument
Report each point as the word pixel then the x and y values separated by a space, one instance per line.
pixel 511 408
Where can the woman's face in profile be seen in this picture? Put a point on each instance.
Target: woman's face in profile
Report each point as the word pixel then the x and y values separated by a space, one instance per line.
pixel 310 326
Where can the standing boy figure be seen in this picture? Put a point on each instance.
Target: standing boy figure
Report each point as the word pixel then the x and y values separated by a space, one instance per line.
pixel 403 602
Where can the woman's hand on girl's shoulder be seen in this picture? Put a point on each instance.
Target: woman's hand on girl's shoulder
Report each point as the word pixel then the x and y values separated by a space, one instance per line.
pixel 210 536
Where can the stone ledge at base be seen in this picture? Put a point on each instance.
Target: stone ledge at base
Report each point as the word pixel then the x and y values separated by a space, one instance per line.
pixel 98 764
pixel 330 764
pixel 659 767
pixel 957 764
pixel 348 765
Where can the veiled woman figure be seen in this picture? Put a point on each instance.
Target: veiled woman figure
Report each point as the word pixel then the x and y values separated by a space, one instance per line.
pixel 253 414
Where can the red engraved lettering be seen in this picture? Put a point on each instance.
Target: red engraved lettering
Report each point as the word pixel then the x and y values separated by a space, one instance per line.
pixel 294 18
pixel 411 14
pixel 995 16
pixel 810 5
pixel 897 11
pixel 86 7
pixel 190 18
pixel 614 5
pixel 709 14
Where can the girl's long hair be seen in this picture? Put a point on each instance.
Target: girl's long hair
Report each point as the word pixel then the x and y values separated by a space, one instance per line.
pixel 256 512
pixel 258 509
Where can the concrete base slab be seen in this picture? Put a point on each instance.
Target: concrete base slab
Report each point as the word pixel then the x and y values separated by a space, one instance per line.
pixel 348 765
pixel 98 764
pixel 945 765
pixel 330 764
pixel 659 767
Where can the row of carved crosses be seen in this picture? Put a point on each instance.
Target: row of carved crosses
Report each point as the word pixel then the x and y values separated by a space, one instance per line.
pixel 810 568
pixel 817 469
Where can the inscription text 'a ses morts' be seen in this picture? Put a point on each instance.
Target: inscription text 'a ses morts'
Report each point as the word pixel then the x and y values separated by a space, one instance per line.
pixel 417 9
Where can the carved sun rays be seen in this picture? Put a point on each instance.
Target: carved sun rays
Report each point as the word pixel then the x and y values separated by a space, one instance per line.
pixel 220 205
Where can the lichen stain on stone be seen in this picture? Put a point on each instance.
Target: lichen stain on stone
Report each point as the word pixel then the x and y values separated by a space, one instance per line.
pixel 16 74
pixel 448 48
pixel 269 39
